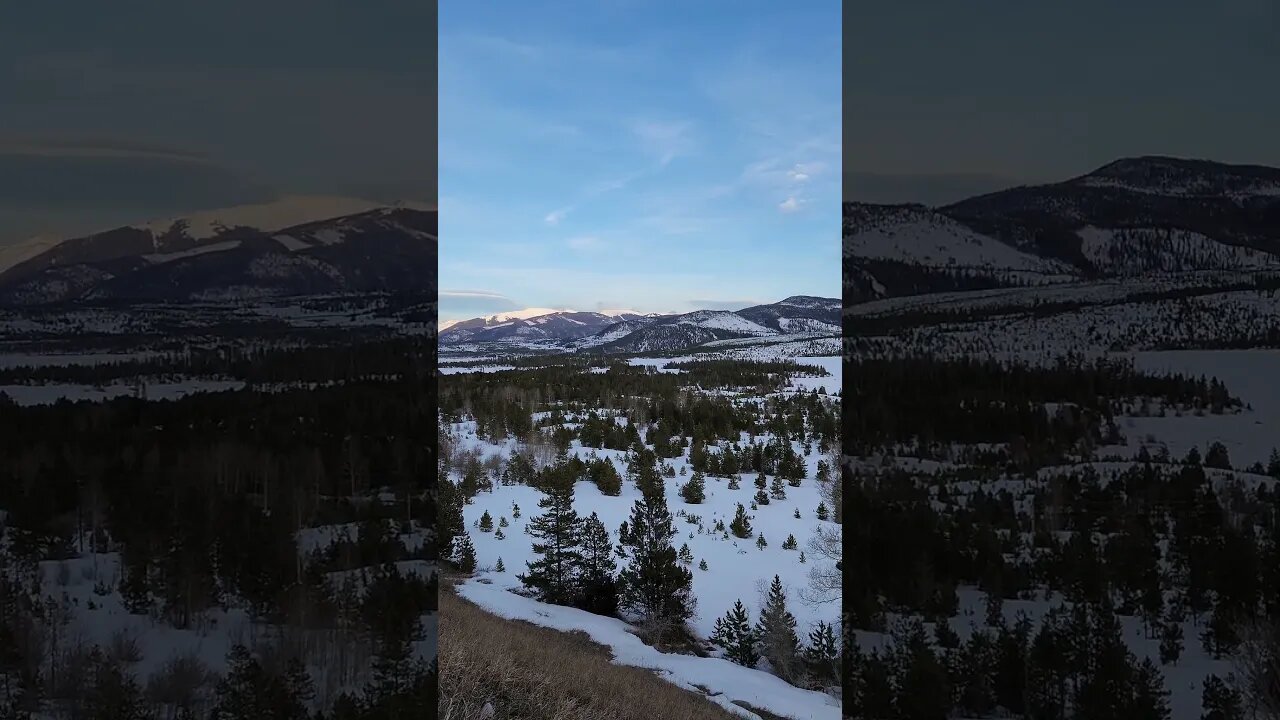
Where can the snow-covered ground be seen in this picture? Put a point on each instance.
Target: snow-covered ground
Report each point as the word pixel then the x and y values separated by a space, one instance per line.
pixel 1253 375
pixel 736 568
pixel 725 680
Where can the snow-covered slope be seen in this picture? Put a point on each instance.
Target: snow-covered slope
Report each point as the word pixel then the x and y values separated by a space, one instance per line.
pixel 299 246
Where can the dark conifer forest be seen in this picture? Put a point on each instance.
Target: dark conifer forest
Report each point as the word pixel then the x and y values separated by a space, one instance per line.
pixel 255 553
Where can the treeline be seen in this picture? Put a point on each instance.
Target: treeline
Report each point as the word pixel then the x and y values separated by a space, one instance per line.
pixel 1185 548
pixel 925 401
pixel 503 405
pixel 407 357
pixel 204 498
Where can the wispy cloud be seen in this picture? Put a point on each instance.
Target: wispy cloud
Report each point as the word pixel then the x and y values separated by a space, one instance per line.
pixel 473 295
pixel 584 243
pixel 555 216
pixel 664 140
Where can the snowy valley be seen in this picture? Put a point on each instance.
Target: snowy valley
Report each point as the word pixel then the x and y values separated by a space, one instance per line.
pixel 1063 424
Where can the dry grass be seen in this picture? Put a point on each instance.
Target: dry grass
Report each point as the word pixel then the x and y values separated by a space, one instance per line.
pixel 534 673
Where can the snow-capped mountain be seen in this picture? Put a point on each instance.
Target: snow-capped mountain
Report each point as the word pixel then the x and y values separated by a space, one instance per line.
pixel 295 246
pixel 533 324
pixel 1133 217
pixel 650 332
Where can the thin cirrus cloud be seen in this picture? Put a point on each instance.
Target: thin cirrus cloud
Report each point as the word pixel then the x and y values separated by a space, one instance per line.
pixel 612 145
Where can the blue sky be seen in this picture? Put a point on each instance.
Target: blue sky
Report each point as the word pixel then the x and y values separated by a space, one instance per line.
pixel 945 99
pixel 646 155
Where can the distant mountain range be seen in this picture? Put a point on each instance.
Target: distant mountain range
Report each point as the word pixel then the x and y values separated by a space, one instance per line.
pixel 294 246
pixel 1134 217
pixel 635 332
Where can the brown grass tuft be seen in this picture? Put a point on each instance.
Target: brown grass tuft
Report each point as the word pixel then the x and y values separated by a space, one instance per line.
pixel 535 673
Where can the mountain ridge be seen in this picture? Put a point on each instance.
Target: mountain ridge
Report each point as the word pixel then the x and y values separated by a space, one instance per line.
pixel 630 332
pixel 305 246
pixel 1132 217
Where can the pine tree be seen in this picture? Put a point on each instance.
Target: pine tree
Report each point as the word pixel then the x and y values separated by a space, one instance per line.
pixel 654 583
pixel 776 490
pixel 1273 464
pixel 1150 698
pixel 762 498
pixel 821 656
pixel 822 511
pixel 797 515
pixel 502 522
pixel 499 535
pixel 486 522
pixel 702 565
pixel 790 543
pixel 451 523
pixel 734 633
pixel 761 481
pixel 694 491
pixel 776 631
pixel 113 692
pixel 686 555
pixel 597 585
pixel 733 483
pixel 761 543
pixel 1170 642
pixel 802 557
pixel 741 525
pixel 1220 701
pixel 466 553
pixel 556 537
pixel 515 511
pixel 500 567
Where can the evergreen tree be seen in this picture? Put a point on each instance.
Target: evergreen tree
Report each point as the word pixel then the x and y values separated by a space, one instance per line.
pixel 499 535
pixel 597 586
pixel 686 555
pixel 702 565
pixel 113 693
pixel 733 483
pixel 1217 457
pixel 451 523
pixel 556 541
pixel 776 490
pixel 822 511
pixel 790 543
pixel 1150 698
pixel 499 567
pixel 466 554
pixel 502 522
pixel 797 514
pixel 762 498
pixel 1220 701
pixel 1170 642
pixel 654 583
pixel 694 491
pixel 740 526
pixel 734 633
pixel 776 631
pixel 486 522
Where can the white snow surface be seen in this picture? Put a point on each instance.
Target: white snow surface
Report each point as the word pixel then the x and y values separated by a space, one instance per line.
pixel 737 569
pixel 492 591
